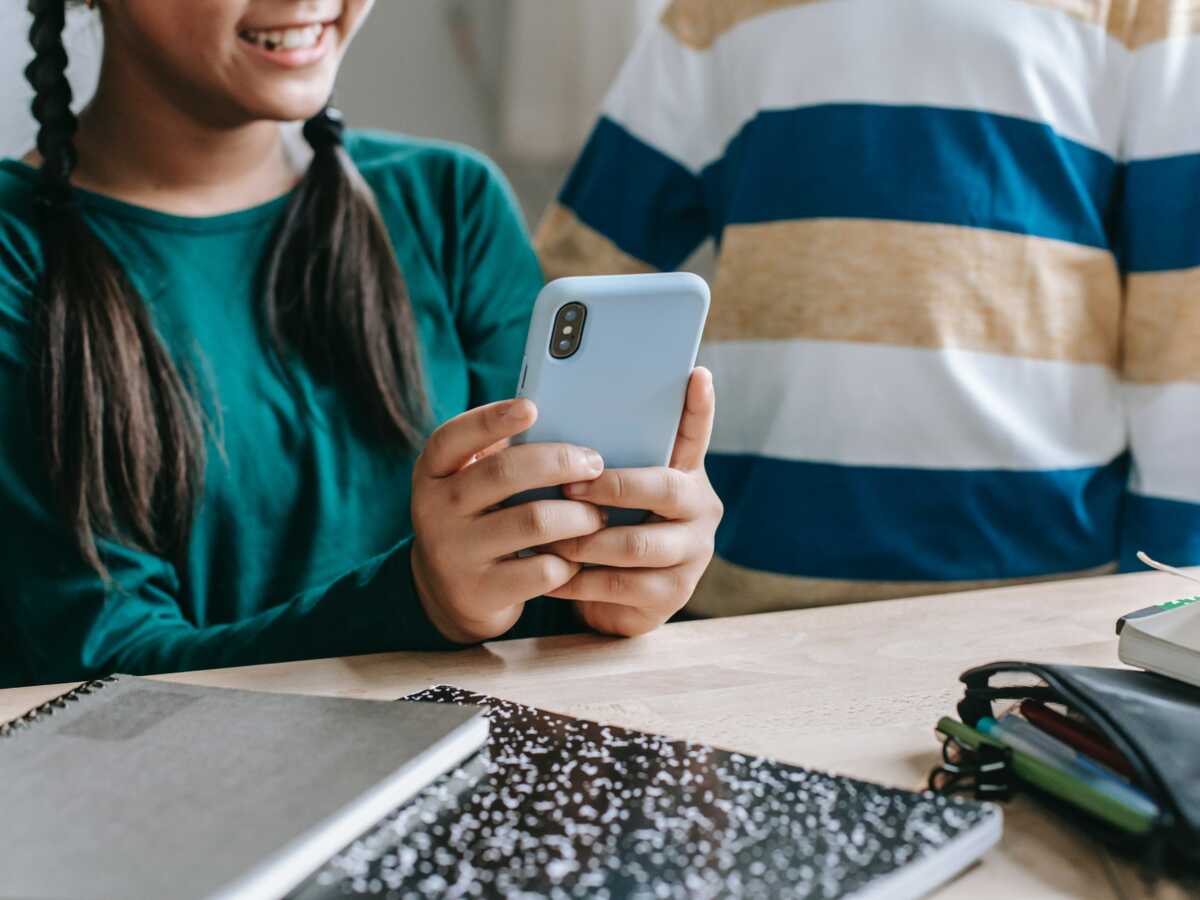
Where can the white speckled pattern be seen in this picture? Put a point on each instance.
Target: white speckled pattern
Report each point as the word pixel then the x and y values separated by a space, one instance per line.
pixel 569 808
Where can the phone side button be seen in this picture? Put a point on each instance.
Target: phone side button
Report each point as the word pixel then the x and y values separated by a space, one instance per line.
pixel 524 372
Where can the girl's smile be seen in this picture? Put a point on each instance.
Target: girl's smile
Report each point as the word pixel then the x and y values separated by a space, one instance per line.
pixel 292 46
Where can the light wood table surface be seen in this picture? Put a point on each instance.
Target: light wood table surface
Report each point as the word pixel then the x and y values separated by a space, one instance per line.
pixel 851 689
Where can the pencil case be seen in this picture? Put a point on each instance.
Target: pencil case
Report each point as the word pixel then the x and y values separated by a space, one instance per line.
pixel 1151 721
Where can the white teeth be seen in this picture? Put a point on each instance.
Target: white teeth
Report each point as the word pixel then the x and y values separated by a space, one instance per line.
pixel 294 39
pixel 286 38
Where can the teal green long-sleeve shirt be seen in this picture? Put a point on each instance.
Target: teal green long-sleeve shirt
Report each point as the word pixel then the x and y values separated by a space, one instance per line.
pixel 301 540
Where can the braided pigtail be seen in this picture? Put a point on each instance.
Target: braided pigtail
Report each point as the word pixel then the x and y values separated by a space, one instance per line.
pixel 335 294
pixel 122 434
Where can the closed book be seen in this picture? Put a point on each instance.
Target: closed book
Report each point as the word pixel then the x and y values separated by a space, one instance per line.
pixel 132 788
pixel 1164 639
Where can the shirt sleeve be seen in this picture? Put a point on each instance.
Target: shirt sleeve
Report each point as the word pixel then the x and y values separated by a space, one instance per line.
pixel 498 279
pixel 1159 238
pixel 59 621
pixel 635 199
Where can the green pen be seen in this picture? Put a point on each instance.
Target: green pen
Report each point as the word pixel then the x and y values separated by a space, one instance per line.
pixel 1015 732
pixel 1056 782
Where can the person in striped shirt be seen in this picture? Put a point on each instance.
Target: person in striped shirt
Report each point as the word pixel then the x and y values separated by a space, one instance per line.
pixel 956 313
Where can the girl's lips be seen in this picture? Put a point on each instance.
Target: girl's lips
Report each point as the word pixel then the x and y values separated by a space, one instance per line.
pixel 295 58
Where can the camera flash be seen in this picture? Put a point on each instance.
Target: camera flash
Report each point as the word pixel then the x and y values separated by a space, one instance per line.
pixel 570 322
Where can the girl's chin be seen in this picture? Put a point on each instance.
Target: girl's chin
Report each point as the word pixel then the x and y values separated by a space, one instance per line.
pixel 288 103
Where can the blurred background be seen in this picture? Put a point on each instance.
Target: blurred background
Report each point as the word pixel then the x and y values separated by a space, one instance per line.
pixel 520 80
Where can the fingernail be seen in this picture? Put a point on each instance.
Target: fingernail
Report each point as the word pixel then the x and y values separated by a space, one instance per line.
pixel 595 461
pixel 505 408
pixel 603 515
pixel 578 489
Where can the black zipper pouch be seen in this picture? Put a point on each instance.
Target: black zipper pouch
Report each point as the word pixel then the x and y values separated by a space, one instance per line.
pixel 1152 721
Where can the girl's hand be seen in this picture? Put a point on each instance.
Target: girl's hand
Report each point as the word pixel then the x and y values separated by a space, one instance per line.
pixel 648 572
pixel 463 561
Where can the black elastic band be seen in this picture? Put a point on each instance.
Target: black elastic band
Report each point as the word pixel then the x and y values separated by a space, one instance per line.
pixel 325 129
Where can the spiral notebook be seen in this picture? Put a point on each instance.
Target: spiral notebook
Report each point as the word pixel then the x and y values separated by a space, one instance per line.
pixel 562 807
pixel 131 788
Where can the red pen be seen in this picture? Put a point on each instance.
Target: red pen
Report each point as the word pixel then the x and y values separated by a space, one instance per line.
pixel 1077 735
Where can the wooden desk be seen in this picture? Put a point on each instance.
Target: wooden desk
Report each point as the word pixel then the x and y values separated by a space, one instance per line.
pixel 852 689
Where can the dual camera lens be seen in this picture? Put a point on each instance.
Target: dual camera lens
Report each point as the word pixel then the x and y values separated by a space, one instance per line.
pixel 568 330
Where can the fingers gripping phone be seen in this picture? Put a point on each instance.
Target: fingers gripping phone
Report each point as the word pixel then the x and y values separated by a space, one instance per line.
pixel 607 363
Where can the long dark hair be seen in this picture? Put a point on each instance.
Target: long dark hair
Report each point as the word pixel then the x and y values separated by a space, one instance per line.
pixel 122 430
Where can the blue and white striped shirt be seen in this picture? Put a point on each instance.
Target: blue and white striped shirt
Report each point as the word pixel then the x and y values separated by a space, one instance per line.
pixel 956 318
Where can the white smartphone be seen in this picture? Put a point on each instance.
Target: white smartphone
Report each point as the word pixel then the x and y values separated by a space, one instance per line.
pixel 607 363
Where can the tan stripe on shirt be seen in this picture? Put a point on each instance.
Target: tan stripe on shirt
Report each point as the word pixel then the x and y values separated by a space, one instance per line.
pixel 700 23
pixel 728 589
pixel 1162 327
pixel 916 284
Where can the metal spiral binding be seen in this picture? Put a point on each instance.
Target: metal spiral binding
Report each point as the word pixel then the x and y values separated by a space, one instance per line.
pixel 9 729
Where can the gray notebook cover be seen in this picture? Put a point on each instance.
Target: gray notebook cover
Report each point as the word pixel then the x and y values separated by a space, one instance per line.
pixel 134 788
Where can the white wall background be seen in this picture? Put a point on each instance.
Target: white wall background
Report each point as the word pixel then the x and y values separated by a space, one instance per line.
pixel 405 70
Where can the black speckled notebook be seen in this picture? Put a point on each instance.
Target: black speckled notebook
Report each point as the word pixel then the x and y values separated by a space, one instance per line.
pixel 562 807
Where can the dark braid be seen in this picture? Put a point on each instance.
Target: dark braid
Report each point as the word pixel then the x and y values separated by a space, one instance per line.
pixel 335 294
pixel 52 99
pixel 121 432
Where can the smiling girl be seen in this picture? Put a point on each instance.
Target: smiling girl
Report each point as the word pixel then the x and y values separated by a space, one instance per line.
pixel 221 352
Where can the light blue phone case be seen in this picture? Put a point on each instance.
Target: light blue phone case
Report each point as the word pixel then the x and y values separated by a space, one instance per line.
pixel 622 392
